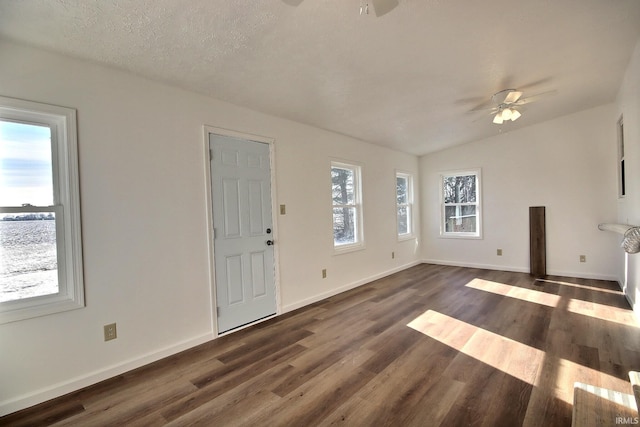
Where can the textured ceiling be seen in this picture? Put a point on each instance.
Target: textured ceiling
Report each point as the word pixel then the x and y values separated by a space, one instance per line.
pixel 407 80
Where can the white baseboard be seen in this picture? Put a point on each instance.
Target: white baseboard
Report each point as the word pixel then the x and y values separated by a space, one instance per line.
pixel 475 265
pixel 349 286
pixel 581 275
pixel 74 384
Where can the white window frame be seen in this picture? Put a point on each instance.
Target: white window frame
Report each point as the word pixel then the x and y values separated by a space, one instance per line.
pixel 408 205
pixel 62 122
pixel 478 204
pixel 357 205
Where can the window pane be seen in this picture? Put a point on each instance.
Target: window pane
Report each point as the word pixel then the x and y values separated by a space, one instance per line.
pixel 459 189
pixel 401 190
pixel 343 190
pixel 28 256
pixel 460 219
pixel 40 251
pixel 403 220
pixel 26 172
pixel 344 226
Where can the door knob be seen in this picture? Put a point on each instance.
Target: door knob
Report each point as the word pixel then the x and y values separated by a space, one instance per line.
pixel 270 242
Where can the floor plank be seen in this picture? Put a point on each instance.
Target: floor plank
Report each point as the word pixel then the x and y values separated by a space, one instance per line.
pixel 431 345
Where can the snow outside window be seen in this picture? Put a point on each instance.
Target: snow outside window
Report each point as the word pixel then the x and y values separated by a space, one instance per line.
pixel 40 242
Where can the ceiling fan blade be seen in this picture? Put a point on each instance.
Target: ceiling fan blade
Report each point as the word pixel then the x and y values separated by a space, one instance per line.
pixel 292 2
pixel 482 107
pixel 382 7
pixel 534 98
pixel 512 97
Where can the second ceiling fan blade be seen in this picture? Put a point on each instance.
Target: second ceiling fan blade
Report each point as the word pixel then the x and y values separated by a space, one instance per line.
pixel 536 97
pixel 382 7
pixel 512 97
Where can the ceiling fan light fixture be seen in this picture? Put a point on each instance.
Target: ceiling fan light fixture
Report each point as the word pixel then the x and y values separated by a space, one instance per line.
pixel 506 114
pixel 507 102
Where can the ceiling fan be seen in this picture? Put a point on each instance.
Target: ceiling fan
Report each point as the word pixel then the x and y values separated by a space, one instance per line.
pixel 380 7
pixel 507 102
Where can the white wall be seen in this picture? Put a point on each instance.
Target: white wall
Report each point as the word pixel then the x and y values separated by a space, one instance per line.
pixel 142 170
pixel 567 165
pixel 628 103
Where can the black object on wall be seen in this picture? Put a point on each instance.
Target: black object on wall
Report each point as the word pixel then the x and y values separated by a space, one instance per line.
pixel 537 242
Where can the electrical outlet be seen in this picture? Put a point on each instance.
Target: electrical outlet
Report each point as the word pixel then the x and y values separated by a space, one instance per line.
pixel 324 273
pixel 110 332
pixel 583 258
pixel 393 255
pixel 499 252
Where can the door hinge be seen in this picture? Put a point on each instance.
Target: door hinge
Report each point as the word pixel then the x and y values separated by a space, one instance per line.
pixel 210 155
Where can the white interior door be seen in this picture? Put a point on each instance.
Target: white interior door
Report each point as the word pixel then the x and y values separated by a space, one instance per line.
pixel 243 236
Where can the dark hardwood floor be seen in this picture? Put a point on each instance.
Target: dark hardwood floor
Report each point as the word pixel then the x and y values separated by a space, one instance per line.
pixel 429 346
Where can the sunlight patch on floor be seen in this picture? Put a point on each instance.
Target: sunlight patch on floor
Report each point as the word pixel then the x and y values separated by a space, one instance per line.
pixel 514 358
pixel 572 305
pixel 577 285
pixel 521 361
pixel 594 404
pixel 523 294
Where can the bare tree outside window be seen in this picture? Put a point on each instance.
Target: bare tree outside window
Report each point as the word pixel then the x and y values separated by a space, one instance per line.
pixel 346 204
pixel 460 204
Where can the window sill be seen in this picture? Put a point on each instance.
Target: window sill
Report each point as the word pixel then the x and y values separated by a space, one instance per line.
pixel 345 249
pixel 467 236
pixel 405 237
pixel 29 308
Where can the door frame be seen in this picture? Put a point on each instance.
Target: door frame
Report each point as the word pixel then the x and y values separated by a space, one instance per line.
pixel 207 131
